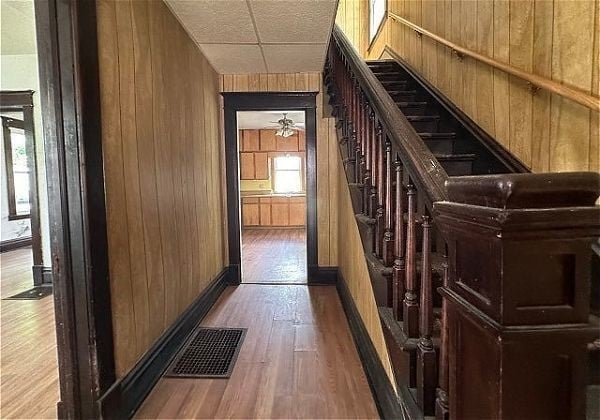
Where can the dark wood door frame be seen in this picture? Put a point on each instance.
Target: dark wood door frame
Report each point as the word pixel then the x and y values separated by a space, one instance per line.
pixel 270 101
pixel 22 101
pixel 70 98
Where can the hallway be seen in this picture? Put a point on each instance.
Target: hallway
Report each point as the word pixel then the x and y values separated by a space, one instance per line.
pixel 274 256
pixel 298 360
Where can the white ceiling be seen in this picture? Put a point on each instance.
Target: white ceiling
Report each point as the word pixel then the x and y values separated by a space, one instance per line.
pixel 259 36
pixel 17 27
pixel 264 119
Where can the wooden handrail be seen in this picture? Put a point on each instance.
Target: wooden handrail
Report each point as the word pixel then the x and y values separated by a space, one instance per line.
pixel 416 156
pixel 573 94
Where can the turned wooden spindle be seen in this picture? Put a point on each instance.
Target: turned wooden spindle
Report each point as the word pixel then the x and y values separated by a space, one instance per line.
pixel 388 235
pixel 379 215
pixel 377 138
pixel 426 358
pixel 441 402
pixel 410 315
pixel 368 152
pixel 398 273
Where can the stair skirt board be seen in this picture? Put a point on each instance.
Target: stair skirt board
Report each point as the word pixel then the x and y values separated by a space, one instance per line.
pixel 127 394
pixel 387 402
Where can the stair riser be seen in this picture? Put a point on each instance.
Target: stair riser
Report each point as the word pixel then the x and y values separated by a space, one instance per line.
pixel 426 126
pixel 458 168
pixel 391 75
pixel 409 96
pixel 413 109
pixel 440 146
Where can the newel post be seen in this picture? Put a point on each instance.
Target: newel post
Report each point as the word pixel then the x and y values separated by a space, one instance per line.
pixel 518 293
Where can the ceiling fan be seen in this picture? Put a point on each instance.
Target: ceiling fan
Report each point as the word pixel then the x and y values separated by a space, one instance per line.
pixel 287 126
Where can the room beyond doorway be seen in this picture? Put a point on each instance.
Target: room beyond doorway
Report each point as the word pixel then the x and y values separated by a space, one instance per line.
pixel 272 179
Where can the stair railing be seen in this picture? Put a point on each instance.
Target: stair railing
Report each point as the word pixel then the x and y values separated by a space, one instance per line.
pixel 417 211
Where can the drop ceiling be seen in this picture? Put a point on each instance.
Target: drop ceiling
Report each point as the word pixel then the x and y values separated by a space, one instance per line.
pixel 259 36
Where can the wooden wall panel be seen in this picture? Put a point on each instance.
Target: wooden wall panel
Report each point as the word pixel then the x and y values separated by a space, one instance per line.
pixel 326 194
pixel 161 141
pixel 552 38
pixel 353 267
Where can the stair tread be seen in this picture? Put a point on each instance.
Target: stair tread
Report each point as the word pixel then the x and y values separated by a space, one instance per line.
pixel 422 117
pixel 396 329
pixel 437 135
pixel 456 156
pixel 409 103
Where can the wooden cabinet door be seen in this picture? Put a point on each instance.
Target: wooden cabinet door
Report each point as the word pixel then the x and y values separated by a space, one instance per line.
pixel 280 211
pixel 250 212
pixel 287 144
pixel 246 165
pixel 250 140
pixel 261 165
pixel 297 211
pixel 267 140
pixel 265 211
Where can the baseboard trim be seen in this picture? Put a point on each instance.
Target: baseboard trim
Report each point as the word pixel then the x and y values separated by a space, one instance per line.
pixel 387 402
pixel 127 394
pixel 42 276
pixel 12 244
pixel 322 276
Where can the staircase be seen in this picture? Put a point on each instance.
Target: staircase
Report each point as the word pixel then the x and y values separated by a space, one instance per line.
pixel 420 172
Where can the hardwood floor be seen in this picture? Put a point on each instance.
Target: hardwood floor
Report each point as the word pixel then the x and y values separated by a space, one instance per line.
pixel 298 360
pixel 274 256
pixel 28 365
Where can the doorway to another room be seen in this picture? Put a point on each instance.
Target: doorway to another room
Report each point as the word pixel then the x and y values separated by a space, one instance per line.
pixel 272 172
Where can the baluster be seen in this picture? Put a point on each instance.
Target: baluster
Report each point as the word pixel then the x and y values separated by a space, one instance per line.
pixel 426 363
pixel 441 404
pixel 379 217
pixel 358 154
pixel 368 153
pixel 377 137
pixel 410 314
pixel 398 273
pixel 388 236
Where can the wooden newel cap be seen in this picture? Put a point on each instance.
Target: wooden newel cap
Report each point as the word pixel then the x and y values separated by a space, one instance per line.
pixel 519 191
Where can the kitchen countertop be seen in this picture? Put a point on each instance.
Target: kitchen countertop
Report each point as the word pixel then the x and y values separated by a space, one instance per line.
pixel 263 194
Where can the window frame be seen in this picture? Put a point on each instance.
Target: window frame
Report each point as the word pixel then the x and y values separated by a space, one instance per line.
pixel 373 36
pixel 302 172
pixel 7 124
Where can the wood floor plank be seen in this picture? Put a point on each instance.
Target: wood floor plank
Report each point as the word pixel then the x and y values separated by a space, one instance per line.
pixel 27 390
pixel 274 256
pixel 298 361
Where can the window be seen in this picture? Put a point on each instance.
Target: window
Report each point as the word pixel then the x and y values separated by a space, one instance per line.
pixel 17 168
pixel 287 174
pixel 377 11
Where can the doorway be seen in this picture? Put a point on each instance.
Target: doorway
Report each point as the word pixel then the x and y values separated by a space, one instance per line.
pixel 280 247
pixel 272 179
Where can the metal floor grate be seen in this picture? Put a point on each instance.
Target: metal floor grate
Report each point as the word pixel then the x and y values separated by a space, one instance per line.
pixel 210 353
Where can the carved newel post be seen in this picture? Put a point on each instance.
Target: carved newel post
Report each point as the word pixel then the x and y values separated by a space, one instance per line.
pixel 518 293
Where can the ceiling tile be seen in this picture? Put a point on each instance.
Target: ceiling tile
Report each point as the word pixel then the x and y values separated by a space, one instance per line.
pixel 234 58
pixel 301 21
pixel 223 21
pixel 294 58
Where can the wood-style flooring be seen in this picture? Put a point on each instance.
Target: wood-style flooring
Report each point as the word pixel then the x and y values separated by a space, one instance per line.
pixel 274 255
pixel 28 364
pixel 298 360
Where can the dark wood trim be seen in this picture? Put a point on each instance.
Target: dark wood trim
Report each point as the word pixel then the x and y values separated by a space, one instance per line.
pixel 269 101
pixel 387 402
pixel 70 97
pixel 326 276
pixel 12 244
pixel 128 393
pixel 491 144
pixel 379 31
pixel 22 101
pixel 42 276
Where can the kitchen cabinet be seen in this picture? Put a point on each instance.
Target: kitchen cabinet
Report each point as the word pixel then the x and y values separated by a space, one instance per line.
pixel 275 211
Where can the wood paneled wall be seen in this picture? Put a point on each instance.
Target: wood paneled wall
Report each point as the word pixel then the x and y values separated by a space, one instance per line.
pixel 556 39
pixel 353 18
pixel 162 142
pixel 353 267
pixel 327 223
